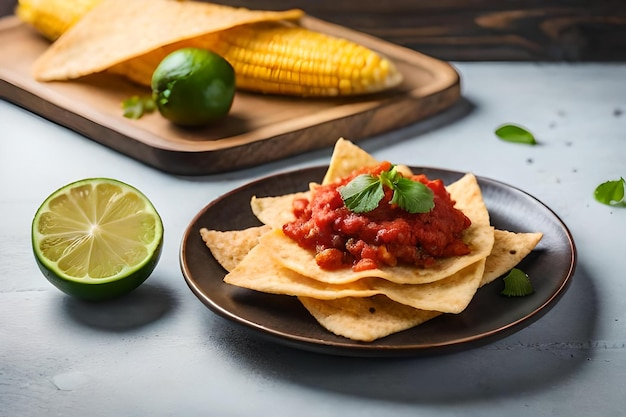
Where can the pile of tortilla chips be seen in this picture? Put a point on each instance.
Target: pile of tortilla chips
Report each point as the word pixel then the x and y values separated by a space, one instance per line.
pixel 366 305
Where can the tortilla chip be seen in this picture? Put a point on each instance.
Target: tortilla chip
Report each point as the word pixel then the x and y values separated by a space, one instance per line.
pixel 365 319
pixel 479 236
pixel 258 271
pixel 346 158
pixel 508 250
pixel 349 317
pixel 230 247
pixel 449 295
pixel 287 253
pixel 275 211
pixel 118 30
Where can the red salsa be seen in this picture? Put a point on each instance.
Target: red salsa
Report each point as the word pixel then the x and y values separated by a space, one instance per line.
pixel 387 235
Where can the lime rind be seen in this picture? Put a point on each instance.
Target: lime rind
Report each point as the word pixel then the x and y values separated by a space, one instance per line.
pixel 193 87
pixel 128 276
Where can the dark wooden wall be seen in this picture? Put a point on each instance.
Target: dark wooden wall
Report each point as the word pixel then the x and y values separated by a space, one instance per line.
pixel 476 30
pixel 548 30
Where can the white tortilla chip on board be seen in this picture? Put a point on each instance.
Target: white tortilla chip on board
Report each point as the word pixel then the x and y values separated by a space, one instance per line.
pixel 115 31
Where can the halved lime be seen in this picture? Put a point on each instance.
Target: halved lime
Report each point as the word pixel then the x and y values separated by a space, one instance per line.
pixel 97 238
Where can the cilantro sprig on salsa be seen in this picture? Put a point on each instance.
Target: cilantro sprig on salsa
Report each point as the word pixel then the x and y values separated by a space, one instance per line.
pixel 365 191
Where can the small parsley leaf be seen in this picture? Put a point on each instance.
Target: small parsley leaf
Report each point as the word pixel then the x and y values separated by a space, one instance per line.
pixel 365 192
pixel 516 134
pixel 413 196
pixel 517 284
pixel 135 107
pixel 611 192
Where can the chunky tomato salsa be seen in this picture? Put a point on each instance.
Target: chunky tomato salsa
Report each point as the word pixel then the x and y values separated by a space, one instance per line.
pixel 387 235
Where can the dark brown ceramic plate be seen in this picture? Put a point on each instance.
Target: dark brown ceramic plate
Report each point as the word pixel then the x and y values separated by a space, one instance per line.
pixel 283 319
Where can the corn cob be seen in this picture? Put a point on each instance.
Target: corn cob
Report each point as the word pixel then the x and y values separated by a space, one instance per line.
pixel 51 18
pixel 277 58
pixel 292 60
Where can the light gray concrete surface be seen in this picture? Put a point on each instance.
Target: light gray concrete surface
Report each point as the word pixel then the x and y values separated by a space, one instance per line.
pixel 160 352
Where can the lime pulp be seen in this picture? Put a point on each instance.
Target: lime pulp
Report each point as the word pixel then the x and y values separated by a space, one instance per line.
pixel 97 238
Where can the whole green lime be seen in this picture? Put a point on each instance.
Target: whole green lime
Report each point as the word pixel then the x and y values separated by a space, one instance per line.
pixel 193 87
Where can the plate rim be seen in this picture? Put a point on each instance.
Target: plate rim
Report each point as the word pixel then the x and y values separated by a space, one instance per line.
pixel 354 348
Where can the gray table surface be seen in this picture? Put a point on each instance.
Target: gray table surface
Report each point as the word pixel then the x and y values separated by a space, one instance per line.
pixel 160 352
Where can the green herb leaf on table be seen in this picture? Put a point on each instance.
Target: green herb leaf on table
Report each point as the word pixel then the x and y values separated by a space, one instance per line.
pixel 611 192
pixel 516 134
pixel 365 192
pixel 517 284
pixel 135 107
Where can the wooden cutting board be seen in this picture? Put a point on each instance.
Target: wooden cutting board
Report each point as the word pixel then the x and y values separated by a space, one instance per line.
pixel 259 129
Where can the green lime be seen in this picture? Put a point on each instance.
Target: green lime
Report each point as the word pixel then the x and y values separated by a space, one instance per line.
pixel 193 87
pixel 97 238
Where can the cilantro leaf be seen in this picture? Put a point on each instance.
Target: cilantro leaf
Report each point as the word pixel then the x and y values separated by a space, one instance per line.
pixel 516 134
pixel 135 107
pixel 363 193
pixel 412 196
pixel 611 192
pixel 517 284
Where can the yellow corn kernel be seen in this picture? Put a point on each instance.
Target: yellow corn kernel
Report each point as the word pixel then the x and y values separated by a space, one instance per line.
pixel 53 17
